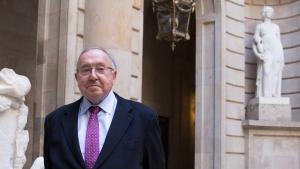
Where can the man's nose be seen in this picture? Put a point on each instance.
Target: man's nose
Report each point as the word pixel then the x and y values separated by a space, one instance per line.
pixel 93 74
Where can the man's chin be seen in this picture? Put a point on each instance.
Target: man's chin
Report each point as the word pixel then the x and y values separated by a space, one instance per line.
pixel 95 92
pixel 95 98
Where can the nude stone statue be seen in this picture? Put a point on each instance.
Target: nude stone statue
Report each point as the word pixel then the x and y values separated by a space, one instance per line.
pixel 268 49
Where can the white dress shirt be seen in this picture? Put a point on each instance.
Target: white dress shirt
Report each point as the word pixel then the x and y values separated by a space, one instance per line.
pixel 105 116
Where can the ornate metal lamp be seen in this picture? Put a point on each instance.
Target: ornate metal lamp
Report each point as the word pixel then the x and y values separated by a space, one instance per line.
pixel 173 17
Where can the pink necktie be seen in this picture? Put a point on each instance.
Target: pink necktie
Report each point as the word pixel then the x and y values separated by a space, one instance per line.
pixel 92 138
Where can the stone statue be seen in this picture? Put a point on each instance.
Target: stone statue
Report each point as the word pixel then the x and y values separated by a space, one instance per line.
pixel 38 163
pixel 13 118
pixel 269 52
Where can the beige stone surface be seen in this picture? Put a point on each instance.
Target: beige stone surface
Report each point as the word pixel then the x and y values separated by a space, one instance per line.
pixel 72 48
pixel 239 2
pixel 235 77
pixel 136 67
pixel 80 23
pixel 234 27
pixel 136 19
pixel 235 110
pixel 235 144
pixel 108 31
pixel 276 152
pixel 235 161
pixel 296 115
pixel 274 109
pixel 234 11
pixel 135 91
pixel 234 93
pixel 289 24
pixel 137 4
pixel 235 60
pixel 123 61
pixel 292 54
pixel 289 70
pixel 283 11
pixel 81 4
pixel 291 39
pixel 234 127
pixel 234 43
pixel 135 42
pixel 272 145
pixel 294 99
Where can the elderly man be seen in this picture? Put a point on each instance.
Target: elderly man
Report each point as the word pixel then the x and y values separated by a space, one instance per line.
pixel 101 130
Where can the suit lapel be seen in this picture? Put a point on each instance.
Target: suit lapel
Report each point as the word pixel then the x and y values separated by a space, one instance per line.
pixel 69 125
pixel 118 127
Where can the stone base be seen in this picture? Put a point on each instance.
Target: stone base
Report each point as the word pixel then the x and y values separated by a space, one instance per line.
pixel 269 108
pixel 272 144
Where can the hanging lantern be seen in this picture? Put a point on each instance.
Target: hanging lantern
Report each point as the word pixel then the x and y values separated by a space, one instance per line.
pixel 173 18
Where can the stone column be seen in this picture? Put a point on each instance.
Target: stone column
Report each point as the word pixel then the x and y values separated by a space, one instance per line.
pixel 108 25
pixel 13 118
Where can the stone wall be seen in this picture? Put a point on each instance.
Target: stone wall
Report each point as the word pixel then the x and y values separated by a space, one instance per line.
pixel 210 85
pixel 50 66
pixel 121 33
pixel 234 141
pixel 75 36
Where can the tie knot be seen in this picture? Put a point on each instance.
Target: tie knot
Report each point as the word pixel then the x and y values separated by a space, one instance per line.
pixel 94 109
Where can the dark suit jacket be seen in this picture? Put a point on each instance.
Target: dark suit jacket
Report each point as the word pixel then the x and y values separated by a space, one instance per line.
pixel 132 142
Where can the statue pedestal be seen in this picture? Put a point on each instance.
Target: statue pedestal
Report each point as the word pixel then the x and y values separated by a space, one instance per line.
pixel 272 144
pixel 269 109
pixel 272 138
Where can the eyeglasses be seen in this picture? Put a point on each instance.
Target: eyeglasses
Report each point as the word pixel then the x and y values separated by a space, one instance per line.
pixel 86 71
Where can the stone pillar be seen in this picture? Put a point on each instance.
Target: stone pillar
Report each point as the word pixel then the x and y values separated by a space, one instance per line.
pixel 110 24
pixel 112 31
pixel 13 118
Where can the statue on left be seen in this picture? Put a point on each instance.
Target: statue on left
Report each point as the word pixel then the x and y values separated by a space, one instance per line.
pixel 13 118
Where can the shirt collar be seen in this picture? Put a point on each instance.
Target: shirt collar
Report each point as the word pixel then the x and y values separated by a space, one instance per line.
pixel 107 105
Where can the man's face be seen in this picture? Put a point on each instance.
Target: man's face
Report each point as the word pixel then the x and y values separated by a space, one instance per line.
pixel 94 75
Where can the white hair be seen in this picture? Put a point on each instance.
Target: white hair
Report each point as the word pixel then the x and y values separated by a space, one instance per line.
pixel 111 59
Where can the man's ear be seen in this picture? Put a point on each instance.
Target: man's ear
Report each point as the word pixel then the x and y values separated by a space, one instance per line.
pixel 115 75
